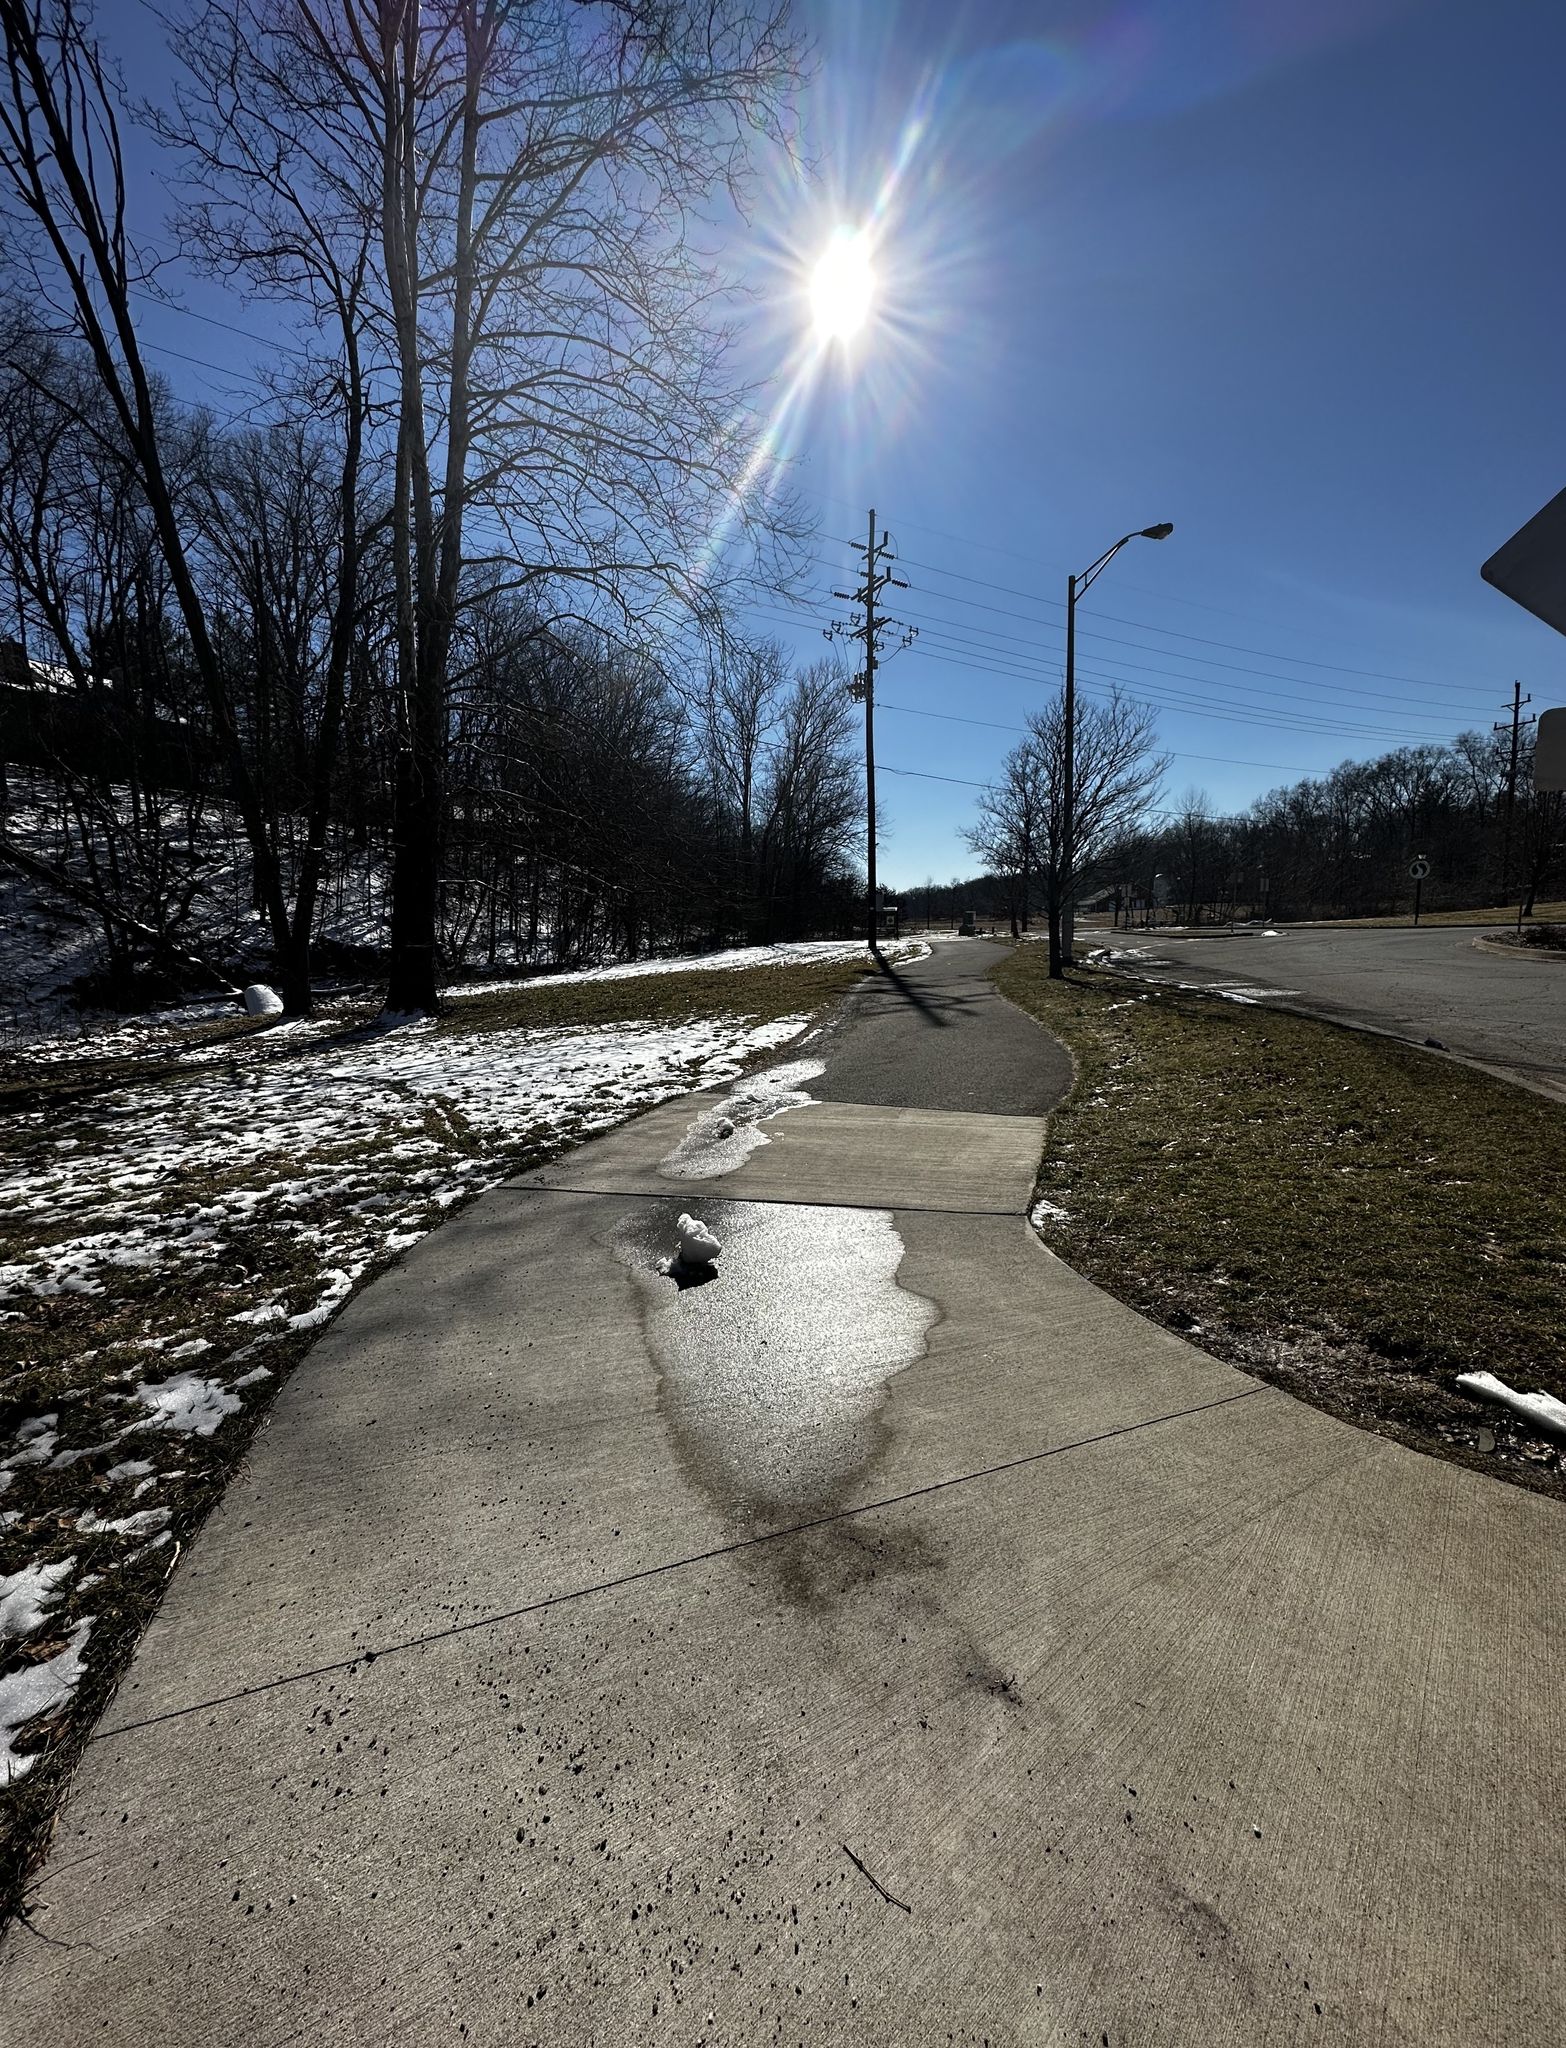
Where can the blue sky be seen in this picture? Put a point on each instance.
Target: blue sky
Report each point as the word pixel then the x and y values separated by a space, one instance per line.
pixel 1294 289
pixel 1282 271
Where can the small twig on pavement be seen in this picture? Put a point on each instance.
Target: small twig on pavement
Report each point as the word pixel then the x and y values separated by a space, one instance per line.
pixel 881 1888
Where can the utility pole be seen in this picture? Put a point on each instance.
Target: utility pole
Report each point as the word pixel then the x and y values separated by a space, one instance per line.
pixel 1515 723
pixel 872 623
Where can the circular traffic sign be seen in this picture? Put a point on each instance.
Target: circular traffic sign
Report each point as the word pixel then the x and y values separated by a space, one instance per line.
pixel 1418 867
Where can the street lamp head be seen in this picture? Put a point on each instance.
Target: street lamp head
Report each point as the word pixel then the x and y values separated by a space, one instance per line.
pixel 1162 531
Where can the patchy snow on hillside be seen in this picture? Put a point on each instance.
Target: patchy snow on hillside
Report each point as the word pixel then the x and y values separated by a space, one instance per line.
pixel 801 953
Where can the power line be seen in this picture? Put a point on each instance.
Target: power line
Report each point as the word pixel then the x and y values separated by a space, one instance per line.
pixel 924 775
pixel 995 725
pixel 210 320
pixel 1043 667
pixel 989 661
pixel 1436 718
pixel 1032 561
pixel 1140 647
pixel 1173 633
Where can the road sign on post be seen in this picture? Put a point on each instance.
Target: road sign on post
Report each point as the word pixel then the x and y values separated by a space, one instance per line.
pixel 1549 751
pixel 1418 867
pixel 1530 568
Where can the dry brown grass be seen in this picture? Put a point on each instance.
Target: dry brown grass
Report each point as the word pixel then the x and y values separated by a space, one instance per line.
pixel 1338 1213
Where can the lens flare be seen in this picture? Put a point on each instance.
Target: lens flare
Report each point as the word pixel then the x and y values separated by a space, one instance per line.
pixel 842 286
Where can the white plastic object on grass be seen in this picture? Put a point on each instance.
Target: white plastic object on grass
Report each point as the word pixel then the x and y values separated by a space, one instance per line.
pixel 698 1246
pixel 261 1001
pixel 1540 1411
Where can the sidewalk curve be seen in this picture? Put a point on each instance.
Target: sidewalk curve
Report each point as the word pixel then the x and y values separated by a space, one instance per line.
pixel 890 1639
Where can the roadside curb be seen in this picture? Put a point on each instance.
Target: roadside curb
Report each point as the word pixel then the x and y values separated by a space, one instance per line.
pixel 1546 1091
pixel 1485 944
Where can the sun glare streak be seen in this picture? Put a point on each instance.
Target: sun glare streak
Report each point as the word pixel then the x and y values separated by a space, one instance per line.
pixel 852 308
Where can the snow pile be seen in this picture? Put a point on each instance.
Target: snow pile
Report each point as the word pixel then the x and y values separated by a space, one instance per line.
pixel 698 1246
pixel 722 1139
pixel 261 1001
pixel 1540 1411
pixel 38 1689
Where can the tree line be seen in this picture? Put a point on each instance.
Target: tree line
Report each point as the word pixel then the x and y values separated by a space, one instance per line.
pixel 441 629
pixel 1338 845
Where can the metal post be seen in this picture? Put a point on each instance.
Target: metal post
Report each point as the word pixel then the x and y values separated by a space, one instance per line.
pixel 1068 836
pixel 870 597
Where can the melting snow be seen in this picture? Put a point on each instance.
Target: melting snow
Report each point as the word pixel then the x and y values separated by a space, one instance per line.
pixel 722 1139
pixel 123 1525
pixel 37 1689
pixel 807 952
pixel 698 1245
pixel 1540 1411
pixel 187 1402
pixel 26 1596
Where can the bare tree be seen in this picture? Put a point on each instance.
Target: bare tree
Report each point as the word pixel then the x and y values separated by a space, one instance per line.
pixel 740 711
pixel 1007 833
pixel 550 356
pixel 63 187
pixel 1117 774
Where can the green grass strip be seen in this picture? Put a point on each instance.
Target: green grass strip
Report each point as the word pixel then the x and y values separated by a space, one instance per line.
pixel 1349 1218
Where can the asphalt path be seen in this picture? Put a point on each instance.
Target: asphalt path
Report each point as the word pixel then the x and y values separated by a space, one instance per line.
pixel 938 1034
pixel 1434 983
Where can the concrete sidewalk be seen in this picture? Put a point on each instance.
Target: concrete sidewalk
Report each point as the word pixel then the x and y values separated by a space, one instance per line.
pixel 891 1640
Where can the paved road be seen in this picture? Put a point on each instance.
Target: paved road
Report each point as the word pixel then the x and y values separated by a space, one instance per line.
pixel 891 1640
pixel 1431 983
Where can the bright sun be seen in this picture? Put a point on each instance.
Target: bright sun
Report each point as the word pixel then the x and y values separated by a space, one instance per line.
pixel 842 286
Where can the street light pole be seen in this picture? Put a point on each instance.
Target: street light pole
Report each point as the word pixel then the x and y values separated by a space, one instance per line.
pixel 1061 946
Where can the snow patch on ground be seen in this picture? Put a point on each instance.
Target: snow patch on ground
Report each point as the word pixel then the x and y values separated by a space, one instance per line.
pixel 26 1596
pixel 122 1525
pixel 38 1689
pixel 802 953
pixel 337 1155
pixel 187 1403
pixel 1045 1212
pixel 722 1139
pixel 1539 1411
